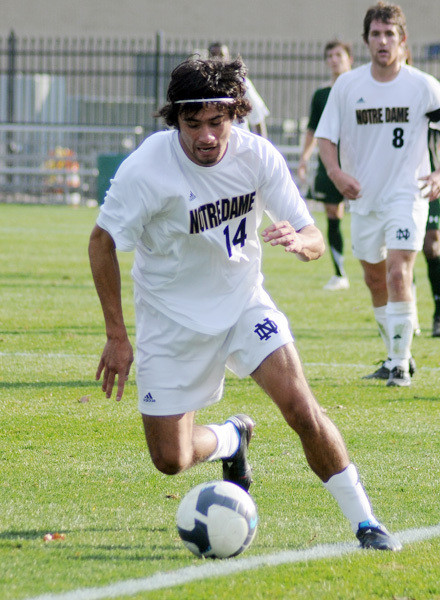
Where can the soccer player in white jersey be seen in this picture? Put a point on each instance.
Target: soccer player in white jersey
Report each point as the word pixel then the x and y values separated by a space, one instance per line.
pixel 255 120
pixel 189 201
pixel 379 113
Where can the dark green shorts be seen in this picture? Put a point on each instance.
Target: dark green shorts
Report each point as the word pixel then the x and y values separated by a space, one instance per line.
pixel 325 190
pixel 433 215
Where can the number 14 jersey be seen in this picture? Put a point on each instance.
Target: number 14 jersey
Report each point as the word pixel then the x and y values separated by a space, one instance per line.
pixel 194 229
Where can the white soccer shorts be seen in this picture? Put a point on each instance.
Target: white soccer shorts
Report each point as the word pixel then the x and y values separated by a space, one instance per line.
pixel 401 227
pixel 179 370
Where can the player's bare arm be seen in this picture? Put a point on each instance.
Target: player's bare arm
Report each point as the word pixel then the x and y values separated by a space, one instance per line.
pixel 307 243
pixel 431 185
pixel 117 356
pixel 348 186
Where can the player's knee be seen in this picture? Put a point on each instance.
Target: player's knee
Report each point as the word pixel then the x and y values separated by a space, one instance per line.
pixel 305 418
pixel 169 461
pixel 334 212
pixel 376 285
pixel 431 250
pixel 398 279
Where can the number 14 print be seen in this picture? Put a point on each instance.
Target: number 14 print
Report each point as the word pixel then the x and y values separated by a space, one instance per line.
pixel 239 237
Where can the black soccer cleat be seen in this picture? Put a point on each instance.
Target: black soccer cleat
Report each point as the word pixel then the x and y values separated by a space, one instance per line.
pixel 399 377
pixel 237 468
pixel 375 536
pixel 383 372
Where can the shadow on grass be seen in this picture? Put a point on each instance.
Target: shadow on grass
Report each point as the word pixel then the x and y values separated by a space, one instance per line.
pixel 143 552
pixel 35 534
pixel 403 399
pixel 85 551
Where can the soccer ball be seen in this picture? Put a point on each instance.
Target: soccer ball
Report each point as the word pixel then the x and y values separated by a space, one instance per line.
pixel 217 519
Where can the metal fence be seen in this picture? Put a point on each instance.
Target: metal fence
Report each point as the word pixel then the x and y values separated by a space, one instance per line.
pixel 66 102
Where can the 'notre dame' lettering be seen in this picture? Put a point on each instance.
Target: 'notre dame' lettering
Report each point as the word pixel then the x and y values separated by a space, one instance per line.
pixel 398 114
pixel 373 116
pixel 369 116
pixel 214 214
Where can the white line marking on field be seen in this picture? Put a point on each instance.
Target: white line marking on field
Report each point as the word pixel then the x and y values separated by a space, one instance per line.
pixel 226 567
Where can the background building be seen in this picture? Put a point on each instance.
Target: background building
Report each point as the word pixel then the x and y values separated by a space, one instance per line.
pixel 301 20
pixel 82 80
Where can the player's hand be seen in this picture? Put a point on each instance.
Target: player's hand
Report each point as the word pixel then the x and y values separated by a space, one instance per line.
pixel 281 233
pixel 307 244
pixel 116 361
pixel 349 187
pixel 430 186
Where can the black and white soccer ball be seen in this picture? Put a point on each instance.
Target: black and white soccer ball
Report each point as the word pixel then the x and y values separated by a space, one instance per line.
pixel 217 519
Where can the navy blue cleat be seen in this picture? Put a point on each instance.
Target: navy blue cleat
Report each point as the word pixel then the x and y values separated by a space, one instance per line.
pixel 237 468
pixel 374 535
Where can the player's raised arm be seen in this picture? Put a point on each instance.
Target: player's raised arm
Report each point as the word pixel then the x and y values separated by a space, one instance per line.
pixel 307 243
pixel 117 355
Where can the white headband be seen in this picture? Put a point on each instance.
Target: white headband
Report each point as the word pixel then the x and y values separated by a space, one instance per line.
pixel 203 100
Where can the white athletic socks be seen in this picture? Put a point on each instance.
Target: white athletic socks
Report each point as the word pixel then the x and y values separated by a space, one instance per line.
pixel 381 320
pixel 400 319
pixel 228 440
pixel 349 493
pixel 395 321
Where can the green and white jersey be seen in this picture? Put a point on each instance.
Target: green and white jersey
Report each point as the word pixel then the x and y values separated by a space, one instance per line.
pixel 324 188
pixel 382 130
pixel 317 106
pixel 194 228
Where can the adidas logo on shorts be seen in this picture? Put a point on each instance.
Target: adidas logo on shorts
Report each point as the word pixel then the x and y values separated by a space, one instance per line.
pixel 149 398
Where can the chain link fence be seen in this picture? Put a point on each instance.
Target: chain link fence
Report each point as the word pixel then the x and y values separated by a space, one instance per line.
pixel 66 102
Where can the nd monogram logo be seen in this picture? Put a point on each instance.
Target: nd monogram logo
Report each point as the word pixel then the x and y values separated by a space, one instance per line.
pixel 402 234
pixel 265 329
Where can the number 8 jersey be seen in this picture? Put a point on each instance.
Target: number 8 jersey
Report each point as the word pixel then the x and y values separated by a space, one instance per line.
pixel 382 128
pixel 194 229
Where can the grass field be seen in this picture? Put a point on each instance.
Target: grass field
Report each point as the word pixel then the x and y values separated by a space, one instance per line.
pixel 75 463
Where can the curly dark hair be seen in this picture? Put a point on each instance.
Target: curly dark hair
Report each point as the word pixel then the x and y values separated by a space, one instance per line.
pixel 387 13
pixel 206 78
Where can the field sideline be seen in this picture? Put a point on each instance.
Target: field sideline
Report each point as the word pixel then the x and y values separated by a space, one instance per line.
pixel 76 464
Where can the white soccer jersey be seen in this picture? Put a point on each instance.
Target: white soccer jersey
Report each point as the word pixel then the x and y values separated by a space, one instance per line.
pixel 382 131
pixel 194 228
pixel 259 109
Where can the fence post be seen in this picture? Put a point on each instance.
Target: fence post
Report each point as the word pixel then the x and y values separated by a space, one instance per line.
pixel 12 54
pixel 158 74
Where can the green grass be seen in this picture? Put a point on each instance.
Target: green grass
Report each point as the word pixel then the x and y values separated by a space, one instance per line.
pixel 82 468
